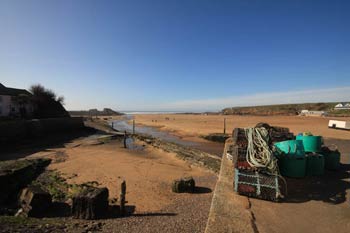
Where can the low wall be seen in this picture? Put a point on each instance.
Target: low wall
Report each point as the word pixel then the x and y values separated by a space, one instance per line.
pixel 229 212
pixel 22 129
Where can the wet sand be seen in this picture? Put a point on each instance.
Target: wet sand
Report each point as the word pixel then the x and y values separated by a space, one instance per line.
pixel 148 173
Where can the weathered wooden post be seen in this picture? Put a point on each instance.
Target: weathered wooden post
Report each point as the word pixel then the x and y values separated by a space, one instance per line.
pixel 224 125
pixel 125 137
pixel 133 127
pixel 122 197
pixel 90 203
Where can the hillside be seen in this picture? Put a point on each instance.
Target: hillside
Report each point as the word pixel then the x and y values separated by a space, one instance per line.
pixel 95 112
pixel 284 109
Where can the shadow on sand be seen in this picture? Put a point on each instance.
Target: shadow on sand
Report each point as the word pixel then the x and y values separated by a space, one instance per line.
pixel 114 212
pixel 24 148
pixel 330 188
pixel 61 209
pixel 201 190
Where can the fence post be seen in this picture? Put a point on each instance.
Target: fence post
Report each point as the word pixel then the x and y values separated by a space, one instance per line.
pixel 125 137
pixel 224 125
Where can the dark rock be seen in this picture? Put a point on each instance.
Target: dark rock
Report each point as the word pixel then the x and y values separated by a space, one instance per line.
pixel 34 201
pixel 90 203
pixel 17 174
pixel 186 184
pixel 216 137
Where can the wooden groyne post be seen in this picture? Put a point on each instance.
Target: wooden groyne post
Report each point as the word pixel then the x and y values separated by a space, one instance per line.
pixel 122 197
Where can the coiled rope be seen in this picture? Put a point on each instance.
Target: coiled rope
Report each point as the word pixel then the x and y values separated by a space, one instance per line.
pixel 259 154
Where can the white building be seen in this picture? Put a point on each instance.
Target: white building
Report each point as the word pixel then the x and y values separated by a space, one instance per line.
pixel 341 106
pixel 15 102
pixel 312 113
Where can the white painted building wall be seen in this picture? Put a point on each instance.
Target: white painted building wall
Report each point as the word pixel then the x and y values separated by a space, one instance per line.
pixel 313 113
pixel 5 105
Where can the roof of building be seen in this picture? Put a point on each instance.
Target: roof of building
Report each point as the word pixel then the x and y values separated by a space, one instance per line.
pixel 342 105
pixel 12 91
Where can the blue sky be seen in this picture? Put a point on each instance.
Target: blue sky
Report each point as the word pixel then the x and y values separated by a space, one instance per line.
pixel 178 55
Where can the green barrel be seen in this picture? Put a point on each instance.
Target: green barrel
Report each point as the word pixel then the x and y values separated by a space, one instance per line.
pixel 332 160
pixel 311 143
pixel 315 165
pixel 292 166
pixel 291 147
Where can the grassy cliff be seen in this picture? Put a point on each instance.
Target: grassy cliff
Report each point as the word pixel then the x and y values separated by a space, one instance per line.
pixel 285 109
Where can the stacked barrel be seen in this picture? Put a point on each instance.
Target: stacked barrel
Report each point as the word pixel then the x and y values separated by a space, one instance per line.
pixel 306 155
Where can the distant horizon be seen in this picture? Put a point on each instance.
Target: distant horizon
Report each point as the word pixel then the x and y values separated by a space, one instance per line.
pixel 170 111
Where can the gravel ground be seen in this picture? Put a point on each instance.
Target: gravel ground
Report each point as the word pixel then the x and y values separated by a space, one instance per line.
pixel 188 213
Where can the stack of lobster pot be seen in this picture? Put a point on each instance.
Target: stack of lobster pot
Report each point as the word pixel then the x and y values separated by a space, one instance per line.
pixel 253 181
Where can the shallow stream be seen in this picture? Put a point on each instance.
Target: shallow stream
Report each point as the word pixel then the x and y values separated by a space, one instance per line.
pixel 209 147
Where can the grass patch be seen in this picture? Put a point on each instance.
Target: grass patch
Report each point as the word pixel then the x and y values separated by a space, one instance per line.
pixel 280 109
pixel 54 183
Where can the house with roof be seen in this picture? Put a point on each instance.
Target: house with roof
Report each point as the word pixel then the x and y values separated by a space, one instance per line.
pixel 341 106
pixel 15 102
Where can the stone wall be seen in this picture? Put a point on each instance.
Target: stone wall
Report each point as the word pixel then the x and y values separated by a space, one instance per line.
pixel 16 174
pixel 22 129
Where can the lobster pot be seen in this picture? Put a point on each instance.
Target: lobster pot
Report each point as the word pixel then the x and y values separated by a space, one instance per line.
pixel 258 185
pixel 240 161
pixel 239 138
pixel 279 134
pixel 239 151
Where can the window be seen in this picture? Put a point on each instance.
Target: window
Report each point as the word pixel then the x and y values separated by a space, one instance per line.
pixel 0 98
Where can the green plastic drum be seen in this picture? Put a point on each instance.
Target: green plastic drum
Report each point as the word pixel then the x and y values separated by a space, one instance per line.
pixel 332 160
pixel 311 143
pixel 315 165
pixel 291 147
pixel 292 166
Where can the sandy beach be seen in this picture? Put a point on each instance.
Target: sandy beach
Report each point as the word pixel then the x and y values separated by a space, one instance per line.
pixel 190 125
pixel 148 172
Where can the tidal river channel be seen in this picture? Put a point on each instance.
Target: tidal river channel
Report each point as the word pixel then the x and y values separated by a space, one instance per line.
pixel 206 146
